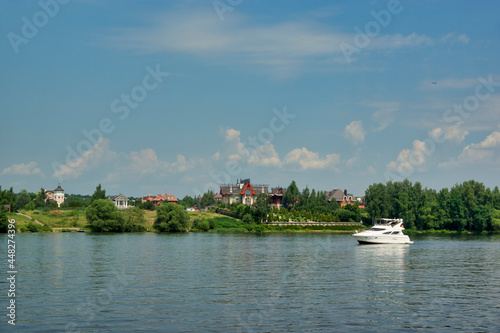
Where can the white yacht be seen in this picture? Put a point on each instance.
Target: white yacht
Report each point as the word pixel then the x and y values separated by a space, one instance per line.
pixel 384 231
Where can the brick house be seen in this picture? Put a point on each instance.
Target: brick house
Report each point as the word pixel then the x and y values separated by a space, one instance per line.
pixel 242 192
pixel 159 199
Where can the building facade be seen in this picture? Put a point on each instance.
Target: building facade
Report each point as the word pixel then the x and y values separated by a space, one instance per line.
pixel 341 197
pixel 276 197
pixel 120 201
pixel 56 195
pixel 159 199
pixel 243 192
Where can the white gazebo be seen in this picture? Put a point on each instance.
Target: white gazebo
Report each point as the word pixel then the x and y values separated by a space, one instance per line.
pixel 120 201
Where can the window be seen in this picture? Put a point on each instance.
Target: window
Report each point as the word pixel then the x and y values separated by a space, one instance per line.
pixel 395 232
pixel 377 229
pixel 386 233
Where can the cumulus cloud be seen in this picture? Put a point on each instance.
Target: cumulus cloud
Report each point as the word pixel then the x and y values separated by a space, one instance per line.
pixel 23 169
pixel 354 132
pixel 88 160
pixel 410 160
pixel 311 160
pixel 232 134
pixel 450 133
pixel 146 161
pixel 265 155
pixel 486 152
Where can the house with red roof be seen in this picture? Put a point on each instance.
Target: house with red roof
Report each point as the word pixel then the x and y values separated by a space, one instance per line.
pixel 159 199
pixel 242 192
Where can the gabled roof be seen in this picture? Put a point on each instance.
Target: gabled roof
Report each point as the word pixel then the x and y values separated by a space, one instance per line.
pixel 248 186
pixel 278 191
pixel 336 194
pixel 121 197
pixel 160 198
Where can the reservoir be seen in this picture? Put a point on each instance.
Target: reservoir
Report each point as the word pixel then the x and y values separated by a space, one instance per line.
pixel 276 282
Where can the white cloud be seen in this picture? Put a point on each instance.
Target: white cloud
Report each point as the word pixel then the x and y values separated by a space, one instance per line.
pixel 232 134
pixel 450 133
pixel 146 161
pixel 265 155
pixel 384 115
pixel 23 169
pixel 90 159
pixel 486 152
pixel 354 132
pixel 410 160
pixel 311 160
pixel 284 46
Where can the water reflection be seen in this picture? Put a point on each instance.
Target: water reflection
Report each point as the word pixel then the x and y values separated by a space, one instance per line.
pixel 278 283
pixel 382 277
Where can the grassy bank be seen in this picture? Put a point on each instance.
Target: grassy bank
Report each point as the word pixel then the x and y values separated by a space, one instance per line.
pixel 218 223
pixel 72 220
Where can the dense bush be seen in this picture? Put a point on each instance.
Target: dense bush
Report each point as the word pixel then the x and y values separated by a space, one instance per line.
pixel 4 221
pixel 32 227
pixel 201 225
pixel 103 216
pixel 171 218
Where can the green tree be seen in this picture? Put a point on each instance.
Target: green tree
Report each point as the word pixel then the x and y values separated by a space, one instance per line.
pixel 134 219
pixel 171 218
pixel 40 199
pixel 457 211
pixel 291 195
pixel 262 207
pixel 207 199
pixel 75 204
pixel 247 219
pixel 22 199
pixel 53 205
pixel 98 194
pixel 187 201
pixel 103 216
pixel 304 197
pixel 148 205
pixel 4 221
pixel 355 211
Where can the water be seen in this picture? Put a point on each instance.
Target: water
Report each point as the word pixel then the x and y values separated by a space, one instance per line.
pixel 252 283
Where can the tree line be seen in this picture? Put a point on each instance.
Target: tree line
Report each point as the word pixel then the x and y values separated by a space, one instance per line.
pixel 469 206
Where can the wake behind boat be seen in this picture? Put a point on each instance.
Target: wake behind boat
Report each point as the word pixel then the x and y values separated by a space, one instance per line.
pixel 384 231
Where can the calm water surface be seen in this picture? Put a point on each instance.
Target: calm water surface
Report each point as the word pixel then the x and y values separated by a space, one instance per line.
pixel 252 283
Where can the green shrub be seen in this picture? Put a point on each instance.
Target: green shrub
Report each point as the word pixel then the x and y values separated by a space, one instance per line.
pixel 46 228
pixel 247 219
pixel 171 218
pixel 32 227
pixel 204 226
pixel 103 216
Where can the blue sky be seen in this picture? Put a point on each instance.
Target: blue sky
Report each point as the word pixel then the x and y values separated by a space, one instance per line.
pixel 179 96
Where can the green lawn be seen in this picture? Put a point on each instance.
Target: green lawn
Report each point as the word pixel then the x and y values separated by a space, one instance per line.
pixel 66 219
pixel 21 221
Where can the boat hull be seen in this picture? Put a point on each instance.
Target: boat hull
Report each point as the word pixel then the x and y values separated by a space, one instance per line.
pixel 382 240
